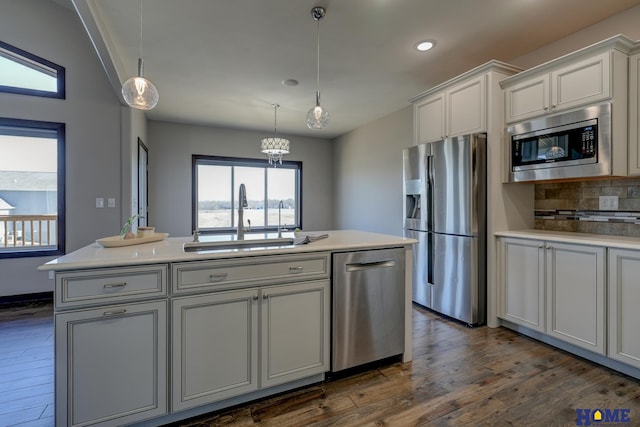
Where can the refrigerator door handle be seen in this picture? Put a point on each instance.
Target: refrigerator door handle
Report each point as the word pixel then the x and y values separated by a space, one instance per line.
pixel 429 184
pixel 430 259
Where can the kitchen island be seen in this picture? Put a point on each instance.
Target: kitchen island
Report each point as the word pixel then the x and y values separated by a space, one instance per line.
pixel 151 333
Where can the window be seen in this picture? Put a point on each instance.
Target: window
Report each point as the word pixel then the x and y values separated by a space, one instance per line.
pixel 216 184
pixel 27 74
pixel 31 188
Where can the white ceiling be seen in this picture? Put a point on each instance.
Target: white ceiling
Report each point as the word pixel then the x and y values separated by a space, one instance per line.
pixel 221 62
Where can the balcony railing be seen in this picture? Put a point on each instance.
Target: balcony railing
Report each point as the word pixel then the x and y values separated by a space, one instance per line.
pixel 28 230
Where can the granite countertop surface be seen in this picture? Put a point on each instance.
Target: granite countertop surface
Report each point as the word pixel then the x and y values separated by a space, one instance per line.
pixel 171 249
pixel 621 242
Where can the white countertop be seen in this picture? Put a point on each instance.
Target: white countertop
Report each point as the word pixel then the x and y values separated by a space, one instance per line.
pixel 622 242
pixel 170 250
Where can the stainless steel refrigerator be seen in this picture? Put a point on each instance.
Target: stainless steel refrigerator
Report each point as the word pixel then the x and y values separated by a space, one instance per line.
pixel 445 210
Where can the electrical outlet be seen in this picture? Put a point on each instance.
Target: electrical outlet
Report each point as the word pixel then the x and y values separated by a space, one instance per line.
pixel 608 203
pixel 111 202
pixel 99 202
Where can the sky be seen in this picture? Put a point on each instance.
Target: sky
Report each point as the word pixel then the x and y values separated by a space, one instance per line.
pixel 20 153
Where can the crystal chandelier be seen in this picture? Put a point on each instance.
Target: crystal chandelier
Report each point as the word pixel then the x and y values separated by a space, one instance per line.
pixel 137 91
pixel 275 147
pixel 318 117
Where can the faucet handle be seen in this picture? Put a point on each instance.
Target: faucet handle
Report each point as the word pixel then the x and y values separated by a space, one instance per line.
pixel 196 235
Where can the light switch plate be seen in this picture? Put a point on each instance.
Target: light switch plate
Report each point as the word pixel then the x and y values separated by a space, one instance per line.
pixel 100 202
pixel 608 203
pixel 111 202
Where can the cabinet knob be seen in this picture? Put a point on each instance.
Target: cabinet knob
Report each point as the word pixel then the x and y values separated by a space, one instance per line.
pixel 255 297
pixel 265 296
pixel 540 246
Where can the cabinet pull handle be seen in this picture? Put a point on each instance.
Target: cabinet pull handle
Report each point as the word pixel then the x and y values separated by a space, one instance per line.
pixel 298 269
pixel 218 277
pixel 114 313
pixel 115 285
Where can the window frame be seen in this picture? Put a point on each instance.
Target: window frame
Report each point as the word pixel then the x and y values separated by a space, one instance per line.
pixel 60 93
pixel 59 128
pixel 198 159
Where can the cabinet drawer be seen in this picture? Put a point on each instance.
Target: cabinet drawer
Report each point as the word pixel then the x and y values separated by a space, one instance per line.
pixel 106 286
pixel 242 272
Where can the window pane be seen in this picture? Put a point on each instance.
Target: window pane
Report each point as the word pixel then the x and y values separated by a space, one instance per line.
pixel 281 187
pixel 253 180
pixel 28 189
pixel 214 196
pixel 24 73
pixel 217 183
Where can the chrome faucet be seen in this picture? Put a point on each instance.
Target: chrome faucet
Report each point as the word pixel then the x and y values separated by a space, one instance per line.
pixel 280 206
pixel 242 203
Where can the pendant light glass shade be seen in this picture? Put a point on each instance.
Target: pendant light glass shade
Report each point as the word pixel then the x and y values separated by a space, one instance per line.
pixel 275 147
pixel 318 117
pixel 139 92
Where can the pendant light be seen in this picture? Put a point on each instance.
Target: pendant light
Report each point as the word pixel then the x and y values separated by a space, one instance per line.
pixel 139 92
pixel 275 147
pixel 318 117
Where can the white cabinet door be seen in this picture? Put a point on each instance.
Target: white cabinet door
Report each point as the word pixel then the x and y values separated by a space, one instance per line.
pixel 294 331
pixel 522 282
pixel 429 119
pixel 624 316
pixel 634 114
pixel 214 347
pixel 584 82
pixel 466 106
pixel 111 364
pixel 529 98
pixel 575 294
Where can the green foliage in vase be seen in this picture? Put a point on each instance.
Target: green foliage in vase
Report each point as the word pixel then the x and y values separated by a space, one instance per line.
pixel 127 225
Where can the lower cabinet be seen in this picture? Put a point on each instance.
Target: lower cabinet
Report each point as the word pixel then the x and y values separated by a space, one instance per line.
pixel 555 288
pixel 624 316
pixel 576 294
pixel 523 279
pixel 111 364
pixel 231 343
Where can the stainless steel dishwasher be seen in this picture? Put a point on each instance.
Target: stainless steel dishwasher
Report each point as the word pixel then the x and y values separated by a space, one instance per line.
pixel 368 307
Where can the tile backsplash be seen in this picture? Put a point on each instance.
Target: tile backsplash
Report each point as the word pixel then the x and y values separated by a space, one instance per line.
pixel 574 206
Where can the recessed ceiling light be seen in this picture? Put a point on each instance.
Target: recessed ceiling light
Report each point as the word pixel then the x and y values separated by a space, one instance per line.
pixel 290 82
pixel 425 45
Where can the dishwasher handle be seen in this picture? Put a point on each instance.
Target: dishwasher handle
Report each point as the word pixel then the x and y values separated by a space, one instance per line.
pixel 360 266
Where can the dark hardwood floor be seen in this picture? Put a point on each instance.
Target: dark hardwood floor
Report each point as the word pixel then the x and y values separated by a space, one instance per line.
pixel 26 365
pixel 459 377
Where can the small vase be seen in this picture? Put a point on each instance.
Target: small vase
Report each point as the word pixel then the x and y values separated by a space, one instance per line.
pixel 129 235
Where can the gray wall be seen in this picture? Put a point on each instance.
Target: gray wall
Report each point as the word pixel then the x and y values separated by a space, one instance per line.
pixel 367 166
pixel 91 112
pixel 170 150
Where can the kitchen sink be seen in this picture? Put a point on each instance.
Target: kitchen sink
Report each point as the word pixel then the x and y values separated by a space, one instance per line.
pixel 238 244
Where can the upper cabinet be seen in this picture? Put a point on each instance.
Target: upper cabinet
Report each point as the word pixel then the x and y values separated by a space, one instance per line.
pixel 458 106
pixel 634 111
pixel 584 82
pixel 587 76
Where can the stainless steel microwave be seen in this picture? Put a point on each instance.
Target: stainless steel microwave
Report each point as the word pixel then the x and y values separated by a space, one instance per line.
pixel 575 144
